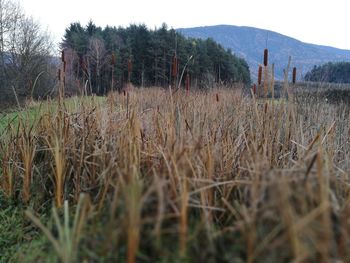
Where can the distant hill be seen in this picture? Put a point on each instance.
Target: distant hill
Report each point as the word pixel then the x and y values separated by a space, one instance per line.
pixel 249 43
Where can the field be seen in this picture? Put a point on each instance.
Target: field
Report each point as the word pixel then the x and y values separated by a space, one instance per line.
pixel 162 176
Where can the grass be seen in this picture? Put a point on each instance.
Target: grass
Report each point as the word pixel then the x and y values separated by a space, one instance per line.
pixel 173 177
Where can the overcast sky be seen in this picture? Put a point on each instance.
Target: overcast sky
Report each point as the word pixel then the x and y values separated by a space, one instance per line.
pixel 324 22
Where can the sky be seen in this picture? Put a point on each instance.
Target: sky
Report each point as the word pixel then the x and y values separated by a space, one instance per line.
pixel 323 22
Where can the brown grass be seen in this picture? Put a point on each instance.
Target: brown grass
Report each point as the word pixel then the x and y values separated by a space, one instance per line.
pixel 259 180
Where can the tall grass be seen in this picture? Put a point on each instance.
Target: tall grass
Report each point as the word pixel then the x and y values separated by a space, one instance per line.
pixel 169 173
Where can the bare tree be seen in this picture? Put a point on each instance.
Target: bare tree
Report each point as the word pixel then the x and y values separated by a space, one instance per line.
pixel 97 60
pixel 30 55
pixel 10 15
pixel 26 62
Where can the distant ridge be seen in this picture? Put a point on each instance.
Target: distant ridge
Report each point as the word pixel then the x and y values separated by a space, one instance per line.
pixel 249 43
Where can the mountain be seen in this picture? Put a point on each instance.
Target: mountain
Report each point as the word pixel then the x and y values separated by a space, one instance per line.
pixel 249 43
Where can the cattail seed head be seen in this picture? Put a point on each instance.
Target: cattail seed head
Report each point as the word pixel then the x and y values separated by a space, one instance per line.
pixel 259 74
pixel 113 59
pixel 266 56
pixel 129 66
pixel 63 56
pixel 294 74
pixel 175 66
pixel 64 66
pixel 254 89
pixel 59 74
pixel 217 97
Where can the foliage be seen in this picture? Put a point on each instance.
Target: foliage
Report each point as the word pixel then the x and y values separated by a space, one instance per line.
pixel 330 72
pixel 99 55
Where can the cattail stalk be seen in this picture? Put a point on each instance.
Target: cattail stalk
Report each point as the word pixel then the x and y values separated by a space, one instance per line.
pixel 174 70
pixel 259 79
pixel 112 71
pixel 62 78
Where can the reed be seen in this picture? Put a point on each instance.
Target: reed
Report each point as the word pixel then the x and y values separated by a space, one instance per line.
pixel 27 151
pixel 169 174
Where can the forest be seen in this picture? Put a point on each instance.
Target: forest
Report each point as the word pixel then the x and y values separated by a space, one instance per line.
pixel 338 72
pixel 101 60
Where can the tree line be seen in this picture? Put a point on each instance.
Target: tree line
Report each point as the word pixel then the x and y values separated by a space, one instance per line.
pixel 338 72
pixel 99 60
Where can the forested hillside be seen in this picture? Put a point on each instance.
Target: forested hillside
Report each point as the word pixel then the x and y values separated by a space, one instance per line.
pixel 248 43
pixel 330 72
pixel 105 59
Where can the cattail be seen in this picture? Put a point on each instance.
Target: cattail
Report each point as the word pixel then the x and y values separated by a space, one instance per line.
pixel 83 64
pixel 259 74
pixel 217 97
pixel 113 59
pixel 129 66
pixel 254 89
pixel 175 66
pixel 294 74
pixel 266 56
pixel 64 66
pixel 63 56
pixel 59 74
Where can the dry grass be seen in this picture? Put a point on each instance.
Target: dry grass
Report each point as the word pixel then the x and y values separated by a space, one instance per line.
pixel 250 180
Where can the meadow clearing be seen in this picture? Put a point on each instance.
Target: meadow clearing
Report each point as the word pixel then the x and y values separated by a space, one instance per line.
pixel 154 175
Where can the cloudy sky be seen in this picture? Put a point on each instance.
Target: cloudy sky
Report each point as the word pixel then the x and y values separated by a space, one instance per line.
pixel 324 22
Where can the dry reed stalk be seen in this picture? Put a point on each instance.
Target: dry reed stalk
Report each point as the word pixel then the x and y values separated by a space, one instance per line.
pixel 288 217
pixel 8 169
pixel 183 218
pixel 58 135
pixel 187 84
pixel 133 229
pixel 259 80
pixel 272 90
pixel 326 234
pixel 27 149
pixel 266 81
pixel 177 152
pixel 133 191
pixel 113 60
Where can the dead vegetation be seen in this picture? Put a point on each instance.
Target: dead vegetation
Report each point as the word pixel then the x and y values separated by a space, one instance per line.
pixel 201 176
